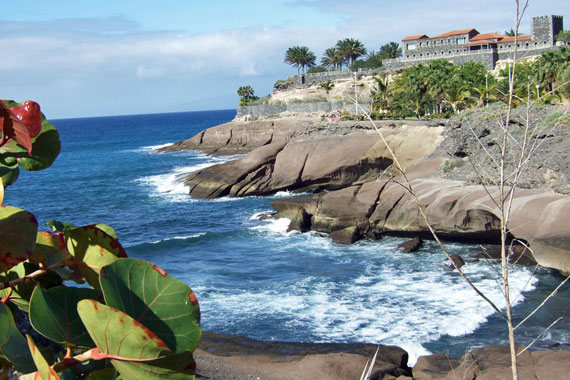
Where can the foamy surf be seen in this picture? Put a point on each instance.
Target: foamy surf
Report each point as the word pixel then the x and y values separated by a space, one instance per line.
pixel 171 187
pixel 275 226
pixel 187 237
pixel 391 302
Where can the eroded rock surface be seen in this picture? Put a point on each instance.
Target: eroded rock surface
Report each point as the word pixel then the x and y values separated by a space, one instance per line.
pixel 357 190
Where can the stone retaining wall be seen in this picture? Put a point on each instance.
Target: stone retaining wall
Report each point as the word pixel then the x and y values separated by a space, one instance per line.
pixel 293 108
pixel 299 80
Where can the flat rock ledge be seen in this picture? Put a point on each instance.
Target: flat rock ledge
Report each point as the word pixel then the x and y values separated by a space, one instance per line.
pixel 224 357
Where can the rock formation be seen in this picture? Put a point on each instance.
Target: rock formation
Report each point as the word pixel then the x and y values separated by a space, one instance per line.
pixel 358 194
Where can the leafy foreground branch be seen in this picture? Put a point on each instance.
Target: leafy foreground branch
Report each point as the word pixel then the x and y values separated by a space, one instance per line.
pixel 126 318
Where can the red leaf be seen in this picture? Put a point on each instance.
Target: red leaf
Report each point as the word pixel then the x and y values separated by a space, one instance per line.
pixel 31 115
pixel 14 128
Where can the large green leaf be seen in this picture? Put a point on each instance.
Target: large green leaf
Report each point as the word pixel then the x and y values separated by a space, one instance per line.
pixel 93 247
pixel 53 313
pixel 13 345
pixel 119 336
pixel 44 369
pixel 172 367
pixel 8 173
pixel 165 305
pixel 18 230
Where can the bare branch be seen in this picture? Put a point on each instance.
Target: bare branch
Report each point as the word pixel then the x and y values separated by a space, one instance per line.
pixel 540 336
pixel 543 302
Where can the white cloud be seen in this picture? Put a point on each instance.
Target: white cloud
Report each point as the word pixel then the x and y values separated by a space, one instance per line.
pixel 81 61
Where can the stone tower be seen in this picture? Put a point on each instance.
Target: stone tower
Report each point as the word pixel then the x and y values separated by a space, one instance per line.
pixel 544 28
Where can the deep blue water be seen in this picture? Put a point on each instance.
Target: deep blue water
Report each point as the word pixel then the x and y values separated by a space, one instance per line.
pixel 251 277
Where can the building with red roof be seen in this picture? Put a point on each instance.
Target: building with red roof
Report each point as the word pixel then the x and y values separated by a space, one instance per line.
pixel 460 46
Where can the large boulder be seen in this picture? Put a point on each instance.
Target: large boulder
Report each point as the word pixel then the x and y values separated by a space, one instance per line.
pixel 233 357
pixel 494 363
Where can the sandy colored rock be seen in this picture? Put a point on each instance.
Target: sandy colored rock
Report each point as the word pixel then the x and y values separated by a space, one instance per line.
pixel 224 357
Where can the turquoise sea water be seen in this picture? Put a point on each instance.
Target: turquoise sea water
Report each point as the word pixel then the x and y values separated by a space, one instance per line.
pixel 251 277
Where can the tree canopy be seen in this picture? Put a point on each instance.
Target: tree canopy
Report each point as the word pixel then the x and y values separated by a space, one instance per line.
pixel 300 57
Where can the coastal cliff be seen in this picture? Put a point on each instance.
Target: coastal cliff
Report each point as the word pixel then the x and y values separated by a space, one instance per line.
pixel 348 171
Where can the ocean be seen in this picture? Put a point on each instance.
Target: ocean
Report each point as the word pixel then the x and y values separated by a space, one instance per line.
pixel 254 279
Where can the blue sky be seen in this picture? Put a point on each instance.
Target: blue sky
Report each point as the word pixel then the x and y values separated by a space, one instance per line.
pixel 95 58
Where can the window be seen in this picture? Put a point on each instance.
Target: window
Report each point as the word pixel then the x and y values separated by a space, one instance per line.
pixel 411 46
pixel 461 40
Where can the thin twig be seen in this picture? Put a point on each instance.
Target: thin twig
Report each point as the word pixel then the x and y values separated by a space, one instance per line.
pixel 543 302
pixel 540 336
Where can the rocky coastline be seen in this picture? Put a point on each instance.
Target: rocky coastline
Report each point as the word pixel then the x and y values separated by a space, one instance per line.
pixel 356 194
pixel 224 357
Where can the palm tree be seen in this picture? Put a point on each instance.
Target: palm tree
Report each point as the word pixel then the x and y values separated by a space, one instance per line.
pixel 300 57
pixel 327 86
pixel 551 64
pixel 246 95
pixel 456 96
pixel 350 49
pixel 390 50
pixel 379 94
pixel 332 58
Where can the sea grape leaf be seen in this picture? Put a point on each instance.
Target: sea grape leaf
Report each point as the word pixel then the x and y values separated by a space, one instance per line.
pixel 1 193
pixel 102 374
pixel 13 128
pixel 163 304
pixel 92 369
pixel 117 335
pixel 13 345
pixel 53 313
pixel 172 367
pixel 8 174
pixel 58 226
pixel 45 149
pixel 20 294
pixel 107 229
pixel 93 247
pixel 44 369
pixel 51 249
pixel 18 230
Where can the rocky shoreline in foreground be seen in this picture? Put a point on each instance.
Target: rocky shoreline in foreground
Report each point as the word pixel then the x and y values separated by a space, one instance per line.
pixel 357 195
pixel 224 357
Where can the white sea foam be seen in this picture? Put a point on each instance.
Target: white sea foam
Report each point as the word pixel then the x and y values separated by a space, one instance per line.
pixel 157 147
pixel 388 303
pixel 187 237
pixel 275 226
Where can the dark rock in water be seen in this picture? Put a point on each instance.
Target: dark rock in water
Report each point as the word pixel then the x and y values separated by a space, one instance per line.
pixel 519 254
pixel 456 261
pixel 301 222
pixel 410 245
pixel 522 256
pixel 266 216
pixel 347 235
